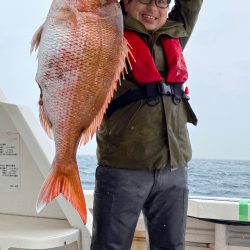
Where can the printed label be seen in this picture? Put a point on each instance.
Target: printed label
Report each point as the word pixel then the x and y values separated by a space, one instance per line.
pixel 10 179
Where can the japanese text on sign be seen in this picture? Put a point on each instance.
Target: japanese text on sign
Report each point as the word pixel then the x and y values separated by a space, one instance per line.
pixel 9 162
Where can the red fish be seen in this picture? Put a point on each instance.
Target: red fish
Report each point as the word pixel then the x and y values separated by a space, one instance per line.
pixel 81 55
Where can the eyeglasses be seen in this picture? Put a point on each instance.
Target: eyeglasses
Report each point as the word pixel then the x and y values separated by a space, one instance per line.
pixel 159 3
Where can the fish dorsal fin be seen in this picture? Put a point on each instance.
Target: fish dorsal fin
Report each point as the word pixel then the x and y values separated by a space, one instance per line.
pixel 90 131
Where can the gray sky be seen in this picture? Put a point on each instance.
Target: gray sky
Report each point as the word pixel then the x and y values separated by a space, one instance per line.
pixel 217 56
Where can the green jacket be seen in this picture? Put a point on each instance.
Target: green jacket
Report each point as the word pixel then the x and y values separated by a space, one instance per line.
pixel 140 136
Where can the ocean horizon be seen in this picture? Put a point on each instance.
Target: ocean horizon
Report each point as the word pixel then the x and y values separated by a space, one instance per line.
pixel 206 177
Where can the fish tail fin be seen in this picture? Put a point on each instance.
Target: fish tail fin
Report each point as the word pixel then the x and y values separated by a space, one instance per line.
pixel 36 38
pixel 63 179
pixel 121 69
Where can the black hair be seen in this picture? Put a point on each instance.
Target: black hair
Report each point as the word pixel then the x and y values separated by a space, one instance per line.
pixel 123 7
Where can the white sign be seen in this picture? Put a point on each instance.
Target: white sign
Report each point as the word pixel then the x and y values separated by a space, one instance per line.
pixel 10 179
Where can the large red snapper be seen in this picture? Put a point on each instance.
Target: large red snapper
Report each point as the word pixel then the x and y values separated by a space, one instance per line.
pixel 81 55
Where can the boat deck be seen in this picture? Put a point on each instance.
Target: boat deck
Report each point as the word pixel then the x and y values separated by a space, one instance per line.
pixel 213 223
pixel 202 240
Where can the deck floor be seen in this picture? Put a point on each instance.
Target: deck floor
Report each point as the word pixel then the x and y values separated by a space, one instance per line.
pixel 139 242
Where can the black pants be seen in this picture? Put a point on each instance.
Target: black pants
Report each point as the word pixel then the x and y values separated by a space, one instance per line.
pixel 120 196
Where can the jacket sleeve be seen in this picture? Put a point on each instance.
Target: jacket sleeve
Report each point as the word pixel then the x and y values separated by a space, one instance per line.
pixel 186 12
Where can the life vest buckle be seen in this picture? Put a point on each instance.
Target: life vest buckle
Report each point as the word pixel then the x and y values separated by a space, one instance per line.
pixel 165 89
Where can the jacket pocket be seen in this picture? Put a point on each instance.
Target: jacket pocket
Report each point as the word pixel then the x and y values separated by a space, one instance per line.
pixel 177 117
pixel 191 117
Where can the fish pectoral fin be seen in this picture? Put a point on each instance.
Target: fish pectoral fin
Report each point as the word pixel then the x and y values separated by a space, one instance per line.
pixel 36 38
pixel 68 184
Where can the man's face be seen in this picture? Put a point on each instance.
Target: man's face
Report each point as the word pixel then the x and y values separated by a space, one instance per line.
pixel 151 16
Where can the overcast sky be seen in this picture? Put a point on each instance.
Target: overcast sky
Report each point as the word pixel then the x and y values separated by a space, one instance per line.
pixel 217 56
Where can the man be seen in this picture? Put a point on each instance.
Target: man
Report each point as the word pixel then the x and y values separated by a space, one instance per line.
pixel 143 142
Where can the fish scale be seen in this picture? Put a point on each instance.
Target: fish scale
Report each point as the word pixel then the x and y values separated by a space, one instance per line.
pixel 80 58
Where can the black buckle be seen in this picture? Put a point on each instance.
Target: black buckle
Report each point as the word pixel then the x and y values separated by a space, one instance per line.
pixel 174 90
pixel 165 89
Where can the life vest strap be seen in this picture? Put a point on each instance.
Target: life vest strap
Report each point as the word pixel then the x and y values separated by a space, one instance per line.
pixel 150 92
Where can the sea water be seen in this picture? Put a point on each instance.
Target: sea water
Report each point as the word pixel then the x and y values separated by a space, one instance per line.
pixel 206 177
